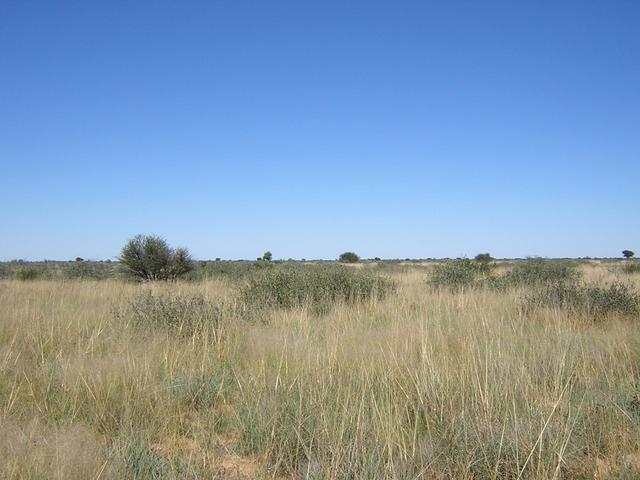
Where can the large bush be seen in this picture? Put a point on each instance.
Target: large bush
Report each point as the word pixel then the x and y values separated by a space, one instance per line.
pixel 149 257
pixel 538 271
pixel 454 274
pixel 318 288
pixel 462 273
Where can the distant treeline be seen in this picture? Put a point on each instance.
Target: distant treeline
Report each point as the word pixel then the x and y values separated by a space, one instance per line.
pixel 233 269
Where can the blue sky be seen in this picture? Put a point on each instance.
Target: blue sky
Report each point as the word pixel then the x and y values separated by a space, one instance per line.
pixel 393 129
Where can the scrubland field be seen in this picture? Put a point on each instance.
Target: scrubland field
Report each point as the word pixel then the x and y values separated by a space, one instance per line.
pixel 524 369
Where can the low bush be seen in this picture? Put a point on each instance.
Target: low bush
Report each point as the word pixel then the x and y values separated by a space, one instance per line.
pixel 538 271
pixel 318 288
pixel 457 274
pixel 593 301
pixel 454 274
pixel 466 273
pixel 27 273
pixel 185 314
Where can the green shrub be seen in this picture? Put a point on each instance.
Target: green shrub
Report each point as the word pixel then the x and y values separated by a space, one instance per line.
pixel 465 273
pixel 185 314
pixel 537 271
pixel 27 273
pixel 315 287
pixel 455 274
pixel 594 301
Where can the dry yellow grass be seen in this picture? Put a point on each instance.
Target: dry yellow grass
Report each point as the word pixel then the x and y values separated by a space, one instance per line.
pixel 424 384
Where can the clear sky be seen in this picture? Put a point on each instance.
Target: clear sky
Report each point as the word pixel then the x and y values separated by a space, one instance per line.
pixel 393 129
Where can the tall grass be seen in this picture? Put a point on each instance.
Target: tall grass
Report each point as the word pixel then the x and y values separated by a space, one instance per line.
pixel 421 383
pixel 631 267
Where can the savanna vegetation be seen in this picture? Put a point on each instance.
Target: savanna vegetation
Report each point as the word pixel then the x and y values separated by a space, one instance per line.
pixel 468 368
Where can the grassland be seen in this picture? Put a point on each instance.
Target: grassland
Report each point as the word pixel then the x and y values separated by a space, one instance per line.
pixel 116 379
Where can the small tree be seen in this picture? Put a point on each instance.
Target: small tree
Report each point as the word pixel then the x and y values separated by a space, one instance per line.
pixel 349 257
pixel 484 258
pixel 627 253
pixel 149 257
pixel 267 256
pixel 484 262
